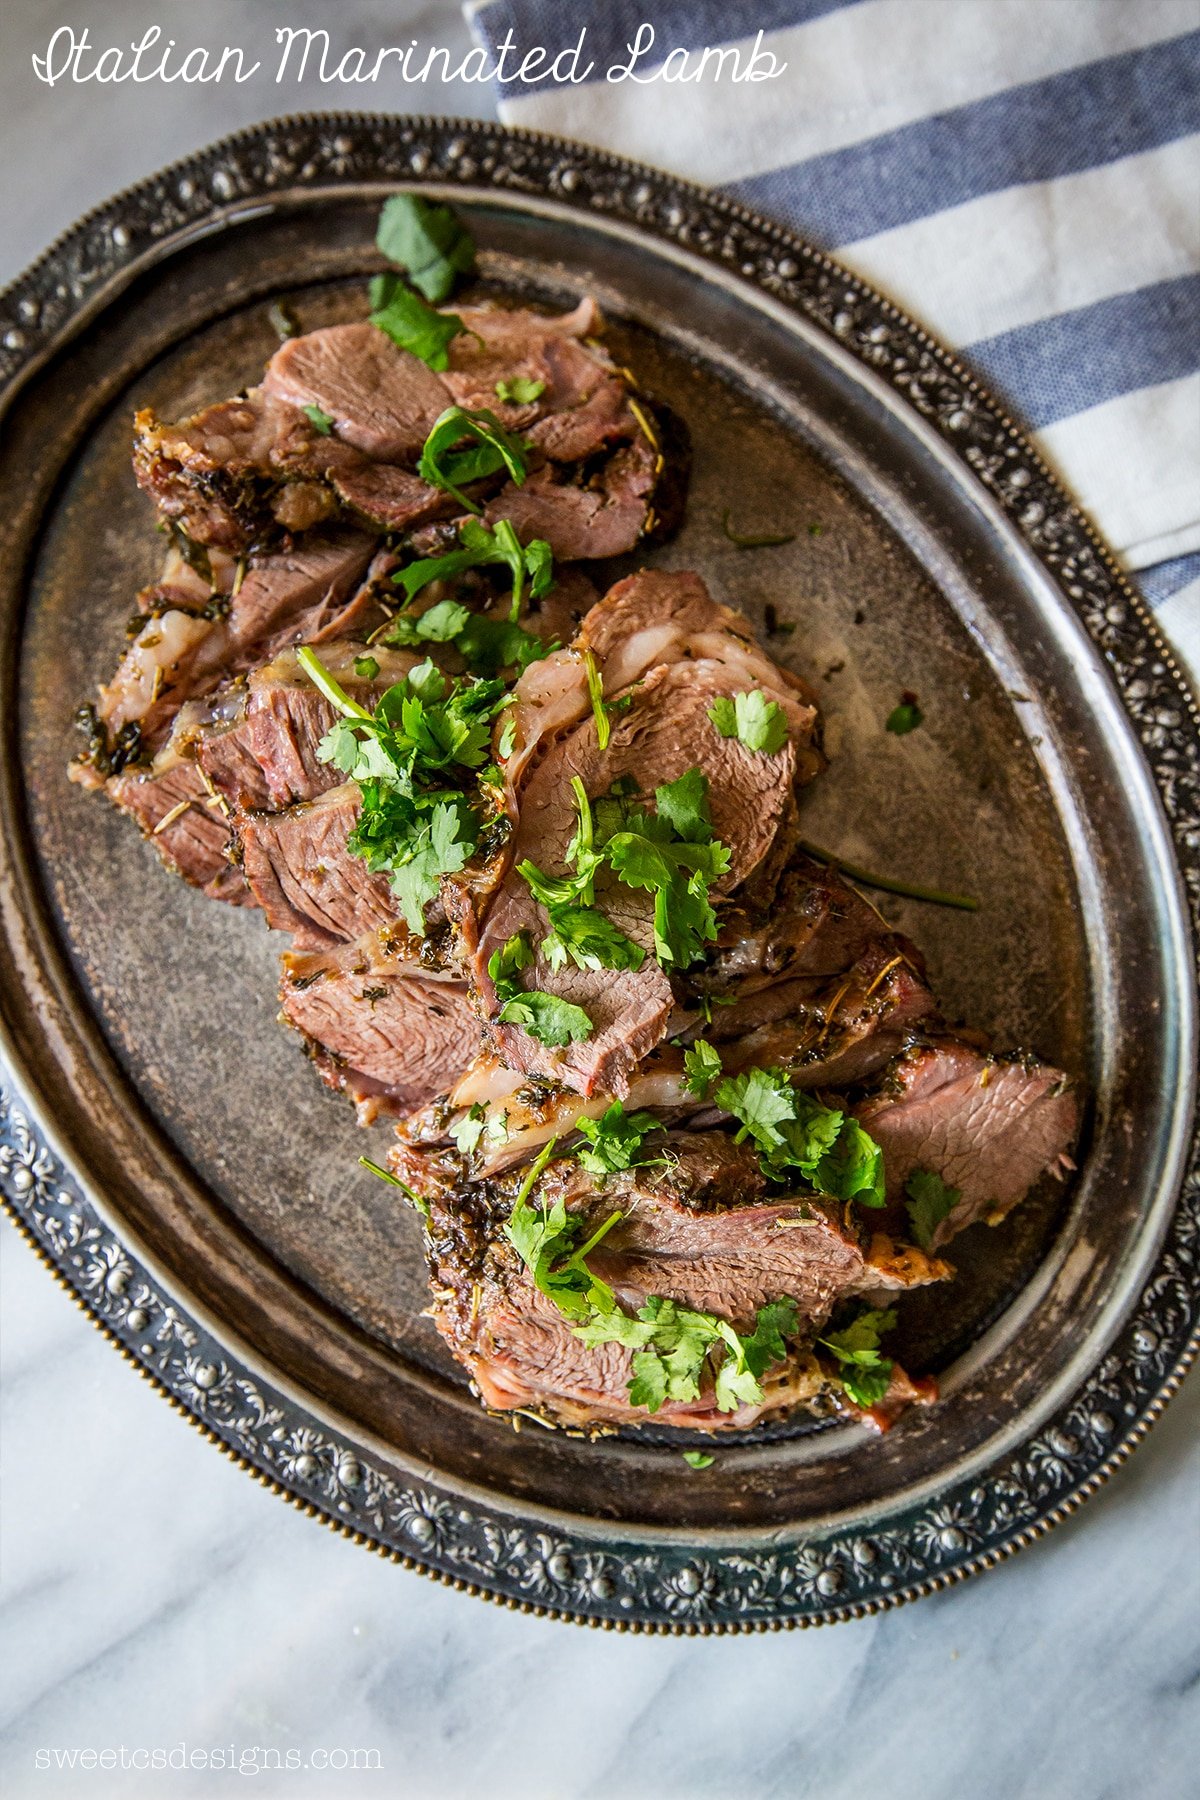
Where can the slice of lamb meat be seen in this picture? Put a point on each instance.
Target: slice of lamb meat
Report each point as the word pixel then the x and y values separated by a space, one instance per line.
pixel 833 1031
pixel 306 879
pixel 988 1126
pixel 292 596
pixel 382 400
pixel 392 1034
pixel 702 1230
pixel 817 927
pixel 287 717
pixel 187 825
pixel 286 597
pixel 210 473
pixel 390 499
pixel 582 523
pixel 240 472
pixel 647 621
pixel 666 729
pixel 225 753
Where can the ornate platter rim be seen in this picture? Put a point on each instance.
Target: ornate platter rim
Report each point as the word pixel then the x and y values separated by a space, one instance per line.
pixel 632 1585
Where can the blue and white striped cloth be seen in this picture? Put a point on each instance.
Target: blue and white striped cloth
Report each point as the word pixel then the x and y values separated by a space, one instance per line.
pixel 1023 176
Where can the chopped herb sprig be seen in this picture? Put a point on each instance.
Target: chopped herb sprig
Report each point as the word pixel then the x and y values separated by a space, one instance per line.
pixel 675 1348
pixel 479 547
pixel 446 464
pixel 428 241
pixel 417 822
pixel 791 1130
pixel 888 884
pixel 866 1373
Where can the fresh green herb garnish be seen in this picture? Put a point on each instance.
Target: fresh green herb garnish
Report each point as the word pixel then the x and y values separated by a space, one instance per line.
pixel 791 1130
pixel 451 469
pixel 905 717
pixel 866 1375
pixel 479 547
pixel 589 939
pixel 411 324
pixel 486 645
pixel 476 1124
pixel 428 241
pixel 413 824
pixel 887 884
pixel 319 420
pixel 671 1344
pixel 765 540
pixel 595 688
pixel 698 1459
pixel 614 1140
pixel 547 1243
pixel 929 1202
pixel 702 1066
pixel 366 667
pixel 551 1021
pixel 672 854
pixel 283 319
pixel 758 723
pixel 544 1016
pixel 410 1194
pixel 520 391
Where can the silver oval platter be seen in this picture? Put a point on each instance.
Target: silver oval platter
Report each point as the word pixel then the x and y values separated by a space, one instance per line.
pixel 166 1147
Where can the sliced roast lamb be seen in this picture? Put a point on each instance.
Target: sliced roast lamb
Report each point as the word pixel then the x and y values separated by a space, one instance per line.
pixel 338 423
pixel 700 1229
pixel 988 1126
pixel 663 652
pixel 391 1033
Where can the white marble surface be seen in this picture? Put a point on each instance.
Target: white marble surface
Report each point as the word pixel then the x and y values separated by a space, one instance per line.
pixel 152 1595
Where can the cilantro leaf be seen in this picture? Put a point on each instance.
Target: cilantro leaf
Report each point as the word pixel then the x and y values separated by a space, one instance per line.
pixel 866 1374
pixel 522 390
pixel 479 547
pixel 319 419
pixel 444 466
pixel 440 625
pixel 468 1130
pixel 758 723
pixel 684 805
pixel 427 240
pixel 792 1130
pixel 366 668
pixel 670 1344
pixel 486 645
pixel 761 1100
pixel 904 717
pixel 614 1140
pixel 589 939
pixel 702 1066
pixel 551 1021
pixel 411 824
pixel 698 1459
pixel 411 324
pixel 929 1202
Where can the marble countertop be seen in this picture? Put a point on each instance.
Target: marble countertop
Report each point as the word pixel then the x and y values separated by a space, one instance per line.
pixel 152 1596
